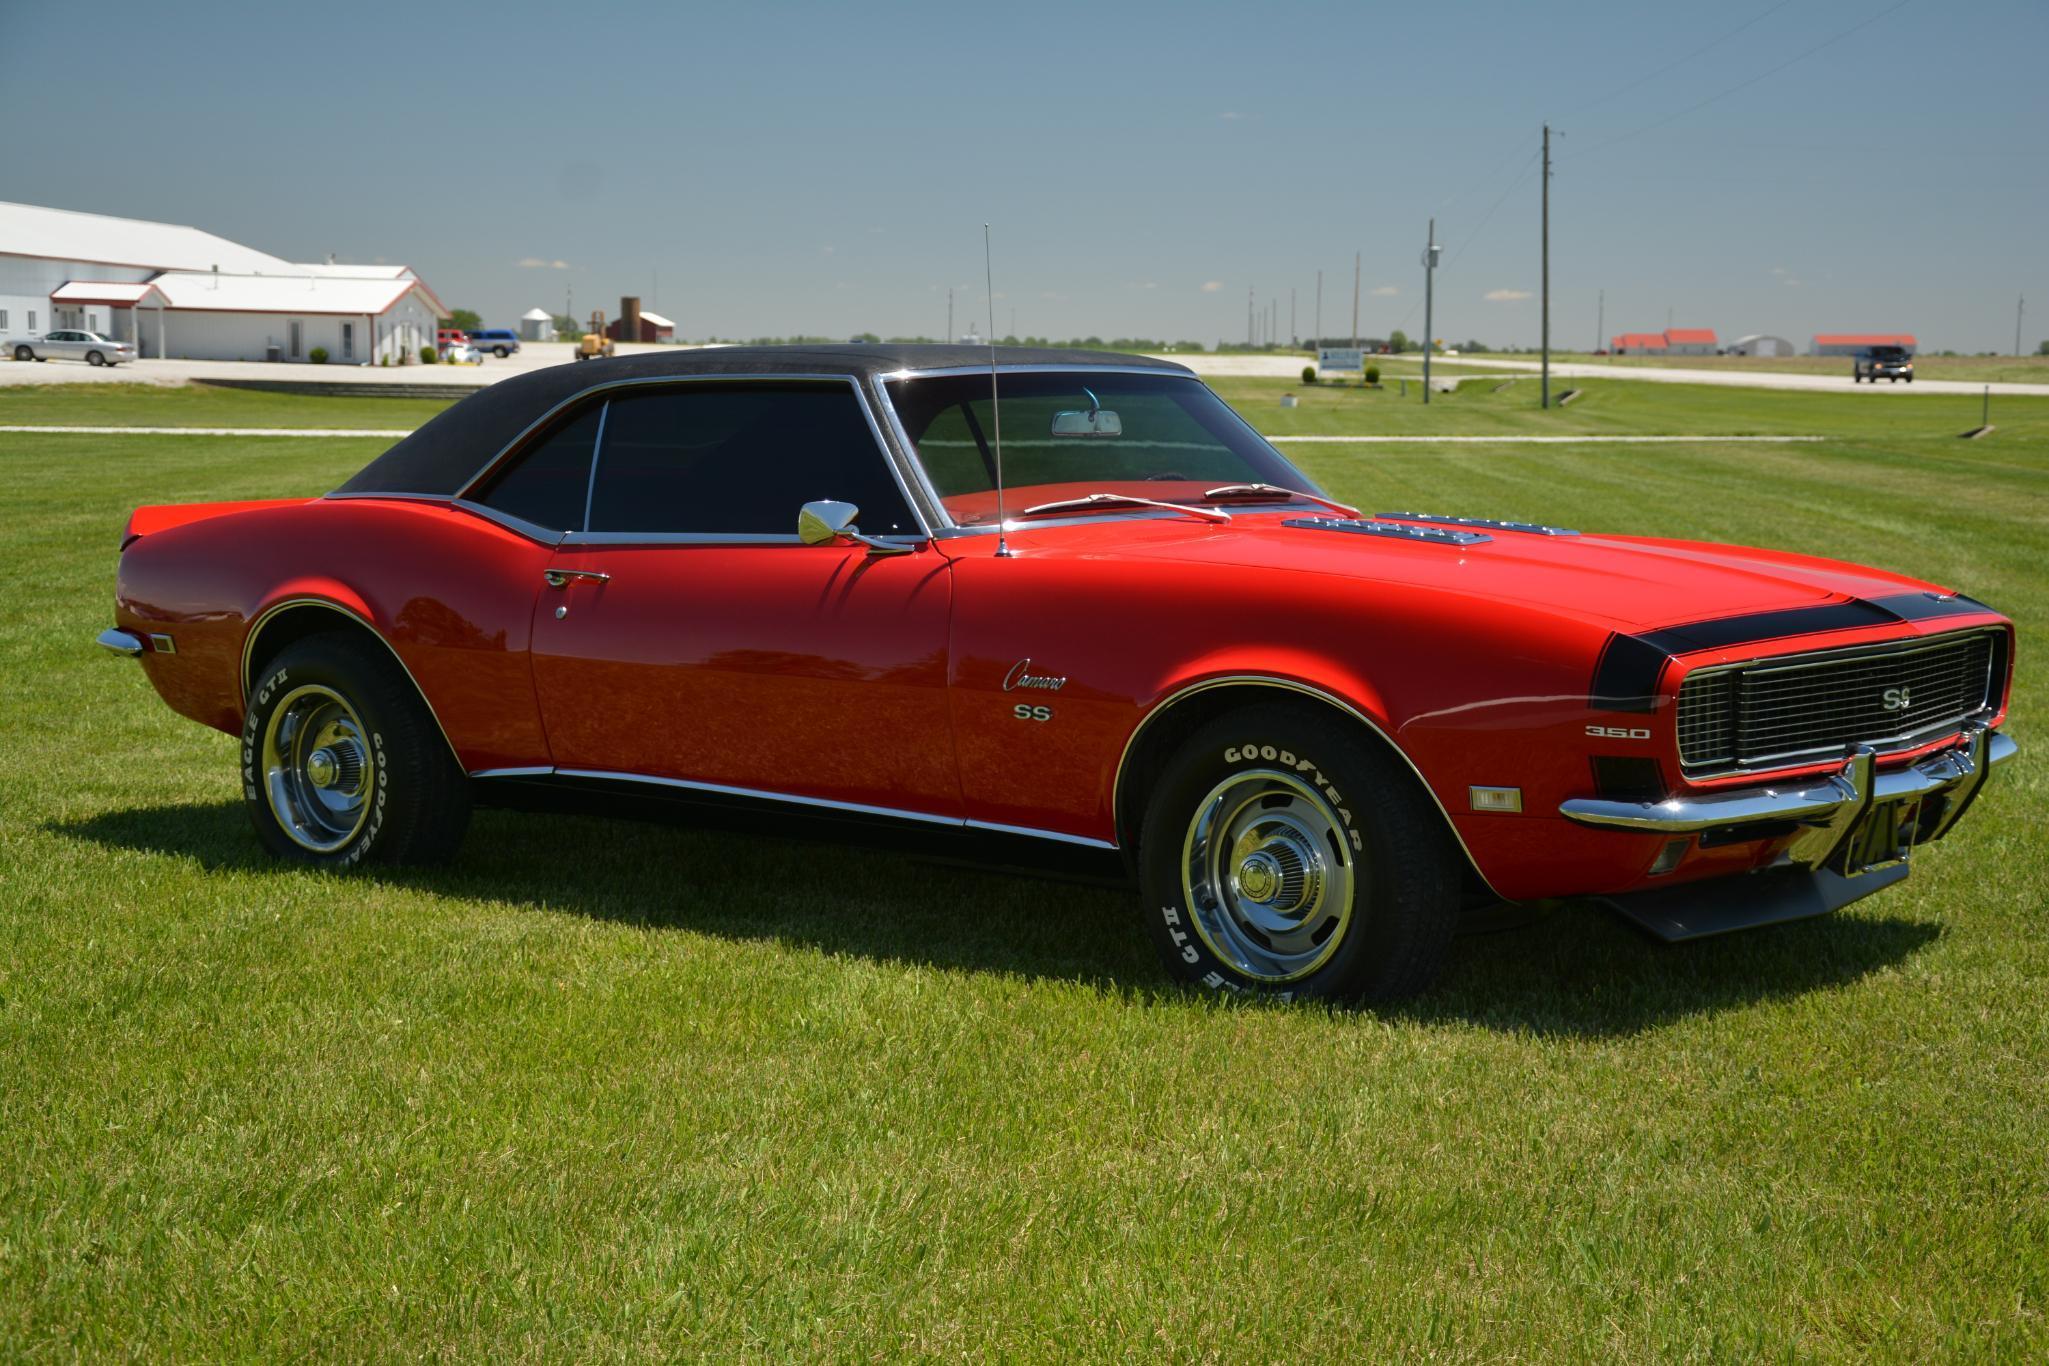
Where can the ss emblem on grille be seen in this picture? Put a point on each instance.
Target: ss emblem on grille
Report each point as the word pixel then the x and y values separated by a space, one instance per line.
pixel 1896 699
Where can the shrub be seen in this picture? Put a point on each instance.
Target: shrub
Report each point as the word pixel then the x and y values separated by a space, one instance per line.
pixel 384 360
pixel 427 355
pixel 1373 374
pixel 318 355
pixel 1309 374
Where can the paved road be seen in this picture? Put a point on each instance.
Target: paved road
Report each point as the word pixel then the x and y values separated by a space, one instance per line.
pixel 1285 367
pixel 535 355
pixel 532 356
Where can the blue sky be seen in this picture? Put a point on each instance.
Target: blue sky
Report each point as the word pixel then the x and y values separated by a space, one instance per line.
pixel 827 169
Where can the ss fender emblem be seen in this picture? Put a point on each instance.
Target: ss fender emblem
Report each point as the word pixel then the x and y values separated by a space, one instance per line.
pixel 1619 732
pixel 1024 711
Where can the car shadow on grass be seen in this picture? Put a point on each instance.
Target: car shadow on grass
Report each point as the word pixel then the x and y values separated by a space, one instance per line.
pixel 1571 970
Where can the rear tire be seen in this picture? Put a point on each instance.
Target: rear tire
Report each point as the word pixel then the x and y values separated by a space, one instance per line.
pixel 1289 854
pixel 342 763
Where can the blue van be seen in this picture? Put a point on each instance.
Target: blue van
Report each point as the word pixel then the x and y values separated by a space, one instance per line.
pixel 497 340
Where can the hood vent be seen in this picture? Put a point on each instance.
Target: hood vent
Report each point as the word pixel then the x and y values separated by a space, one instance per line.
pixel 1401 531
pixel 1528 528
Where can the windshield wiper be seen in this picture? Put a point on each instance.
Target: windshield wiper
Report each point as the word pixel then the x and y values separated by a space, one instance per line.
pixel 1100 500
pixel 1274 493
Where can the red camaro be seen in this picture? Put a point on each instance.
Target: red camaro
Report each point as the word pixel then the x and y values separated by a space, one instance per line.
pixel 779 580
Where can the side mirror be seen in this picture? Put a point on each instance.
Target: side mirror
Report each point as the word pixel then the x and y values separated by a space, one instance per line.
pixel 827 522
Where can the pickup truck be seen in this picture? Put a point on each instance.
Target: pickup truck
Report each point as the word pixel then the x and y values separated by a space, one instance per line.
pixel 1882 362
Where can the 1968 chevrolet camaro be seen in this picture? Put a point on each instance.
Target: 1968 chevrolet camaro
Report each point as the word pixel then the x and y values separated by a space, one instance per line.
pixel 787 581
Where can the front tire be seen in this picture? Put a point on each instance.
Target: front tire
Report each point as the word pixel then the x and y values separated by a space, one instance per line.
pixel 95 359
pixel 342 763
pixel 22 353
pixel 1291 855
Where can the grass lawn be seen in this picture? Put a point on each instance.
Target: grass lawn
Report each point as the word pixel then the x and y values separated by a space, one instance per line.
pixel 618 1089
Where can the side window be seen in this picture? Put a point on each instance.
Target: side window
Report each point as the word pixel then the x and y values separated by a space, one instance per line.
pixel 741 459
pixel 549 483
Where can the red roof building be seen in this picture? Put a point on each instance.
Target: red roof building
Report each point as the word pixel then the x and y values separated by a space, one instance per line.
pixel 1624 343
pixel 1850 343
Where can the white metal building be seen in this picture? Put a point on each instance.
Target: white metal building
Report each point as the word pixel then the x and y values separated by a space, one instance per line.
pixel 1760 344
pixel 180 291
pixel 537 324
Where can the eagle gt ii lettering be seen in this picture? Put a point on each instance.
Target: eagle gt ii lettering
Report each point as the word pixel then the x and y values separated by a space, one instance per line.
pixel 1312 736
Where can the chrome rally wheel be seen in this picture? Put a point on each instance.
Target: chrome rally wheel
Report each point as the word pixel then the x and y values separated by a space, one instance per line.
pixel 318 768
pixel 343 762
pixel 1268 876
pixel 1286 850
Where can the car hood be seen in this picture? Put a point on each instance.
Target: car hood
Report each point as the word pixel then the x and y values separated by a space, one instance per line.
pixel 1626 583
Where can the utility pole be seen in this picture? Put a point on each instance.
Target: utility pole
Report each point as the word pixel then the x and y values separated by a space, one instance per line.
pixel 1545 324
pixel 948 338
pixel 2018 309
pixel 1319 308
pixel 1248 319
pixel 1430 253
pixel 1295 337
pixel 1601 322
pixel 1355 298
pixel 1273 320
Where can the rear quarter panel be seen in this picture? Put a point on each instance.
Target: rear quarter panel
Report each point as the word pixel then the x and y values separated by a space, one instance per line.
pixel 451 593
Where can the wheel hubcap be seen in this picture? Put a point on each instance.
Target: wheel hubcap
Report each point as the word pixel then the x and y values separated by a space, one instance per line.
pixel 317 769
pixel 1269 874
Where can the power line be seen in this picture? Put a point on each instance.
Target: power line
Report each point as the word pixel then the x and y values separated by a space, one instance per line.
pixel 1642 81
pixel 1745 85
pixel 1513 185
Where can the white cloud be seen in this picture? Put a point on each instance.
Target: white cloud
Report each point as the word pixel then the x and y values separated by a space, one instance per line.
pixel 1385 291
pixel 1212 286
pixel 1505 296
pixel 540 263
pixel 1230 116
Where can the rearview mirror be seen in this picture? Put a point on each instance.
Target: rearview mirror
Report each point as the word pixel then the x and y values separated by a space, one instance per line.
pixel 1097 421
pixel 827 522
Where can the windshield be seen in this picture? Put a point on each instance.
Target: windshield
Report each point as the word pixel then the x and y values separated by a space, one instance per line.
pixel 1163 437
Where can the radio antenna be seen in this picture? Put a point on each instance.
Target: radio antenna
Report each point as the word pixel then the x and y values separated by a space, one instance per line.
pixel 1003 551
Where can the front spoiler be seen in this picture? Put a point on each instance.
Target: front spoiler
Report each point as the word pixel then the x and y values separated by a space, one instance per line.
pixel 1825 814
pixel 1696 910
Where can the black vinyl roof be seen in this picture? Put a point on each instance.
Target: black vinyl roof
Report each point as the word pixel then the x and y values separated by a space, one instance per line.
pixel 442 456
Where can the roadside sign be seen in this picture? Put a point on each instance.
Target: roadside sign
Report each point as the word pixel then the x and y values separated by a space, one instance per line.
pixel 1340 358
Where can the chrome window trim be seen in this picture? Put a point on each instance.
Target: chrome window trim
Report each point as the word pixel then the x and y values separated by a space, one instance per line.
pixel 533 531
pixel 1166 704
pixel 249 639
pixel 609 387
pixel 393 497
pixel 947 528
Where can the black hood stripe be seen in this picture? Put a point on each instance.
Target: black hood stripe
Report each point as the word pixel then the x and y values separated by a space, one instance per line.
pixel 1626 674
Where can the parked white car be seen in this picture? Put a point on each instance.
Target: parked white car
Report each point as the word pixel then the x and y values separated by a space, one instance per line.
pixel 460 353
pixel 72 344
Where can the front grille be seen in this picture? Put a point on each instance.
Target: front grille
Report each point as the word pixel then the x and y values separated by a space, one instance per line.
pixel 1802 708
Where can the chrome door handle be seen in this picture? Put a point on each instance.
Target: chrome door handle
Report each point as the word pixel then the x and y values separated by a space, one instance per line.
pixel 559 578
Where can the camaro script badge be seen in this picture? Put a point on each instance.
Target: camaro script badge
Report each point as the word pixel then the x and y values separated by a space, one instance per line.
pixel 1021 676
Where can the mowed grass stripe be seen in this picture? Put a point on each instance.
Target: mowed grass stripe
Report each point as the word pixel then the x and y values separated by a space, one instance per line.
pixel 625 1089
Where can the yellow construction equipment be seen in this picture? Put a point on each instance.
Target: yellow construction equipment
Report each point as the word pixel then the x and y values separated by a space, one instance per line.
pixel 594 342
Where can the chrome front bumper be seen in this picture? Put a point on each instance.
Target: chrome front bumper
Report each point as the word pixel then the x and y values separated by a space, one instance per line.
pixel 1824 816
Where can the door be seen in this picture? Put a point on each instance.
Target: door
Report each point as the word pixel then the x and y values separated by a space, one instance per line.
pixel 687 636
pixel 348 341
pixel 295 334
